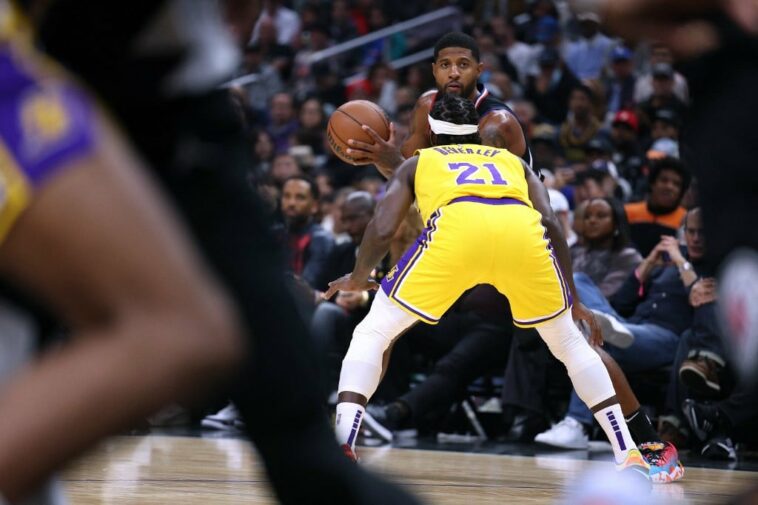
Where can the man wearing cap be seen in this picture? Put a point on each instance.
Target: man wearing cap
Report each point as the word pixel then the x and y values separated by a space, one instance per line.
pixel 587 56
pixel 663 94
pixel 666 124
pixel 627 152
pixel 643 90
pixel 620 84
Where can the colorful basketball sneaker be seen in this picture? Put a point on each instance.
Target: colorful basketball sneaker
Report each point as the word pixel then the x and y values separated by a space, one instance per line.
pixel 635 464
pixel 349 453
pixel 664 462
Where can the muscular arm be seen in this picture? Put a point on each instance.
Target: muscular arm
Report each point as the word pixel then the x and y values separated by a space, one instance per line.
pixel 390 212
pixel 500 128
pixel 418 137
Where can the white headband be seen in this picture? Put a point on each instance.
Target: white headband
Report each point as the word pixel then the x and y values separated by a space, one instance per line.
pixel 438 126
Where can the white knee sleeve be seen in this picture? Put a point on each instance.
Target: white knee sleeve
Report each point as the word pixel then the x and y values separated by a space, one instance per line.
pixel 585 368
pixel 362 366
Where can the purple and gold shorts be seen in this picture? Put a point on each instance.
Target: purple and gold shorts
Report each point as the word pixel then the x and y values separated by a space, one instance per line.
pixel 46 123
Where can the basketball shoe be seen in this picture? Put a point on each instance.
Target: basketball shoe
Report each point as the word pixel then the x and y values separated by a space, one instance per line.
pixel 349 453
pixel 664 462
pixel 635 465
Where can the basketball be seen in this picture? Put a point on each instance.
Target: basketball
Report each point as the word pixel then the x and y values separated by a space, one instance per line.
pixel 346 123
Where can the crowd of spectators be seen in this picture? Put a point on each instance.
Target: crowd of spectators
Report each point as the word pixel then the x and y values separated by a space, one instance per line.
pixel 603 120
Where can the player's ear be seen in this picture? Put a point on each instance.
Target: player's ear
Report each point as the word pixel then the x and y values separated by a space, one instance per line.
pixel 480 68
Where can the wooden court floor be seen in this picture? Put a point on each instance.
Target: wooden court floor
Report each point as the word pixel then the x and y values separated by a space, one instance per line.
pixel 158 470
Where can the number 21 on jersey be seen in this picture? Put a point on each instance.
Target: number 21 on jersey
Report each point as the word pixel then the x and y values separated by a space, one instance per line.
pixel 476 174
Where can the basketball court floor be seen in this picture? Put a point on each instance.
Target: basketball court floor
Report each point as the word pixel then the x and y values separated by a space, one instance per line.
pixel 179 469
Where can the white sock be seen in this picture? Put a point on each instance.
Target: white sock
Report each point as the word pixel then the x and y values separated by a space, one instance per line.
pixel 612 421
pixel 348 422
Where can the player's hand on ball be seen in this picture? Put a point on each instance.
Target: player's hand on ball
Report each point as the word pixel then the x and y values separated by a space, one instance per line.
pixel 348 283
pixel 382 152
pixel 582 313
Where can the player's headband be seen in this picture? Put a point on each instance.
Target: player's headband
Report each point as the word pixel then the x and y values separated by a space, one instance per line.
pixel 438 126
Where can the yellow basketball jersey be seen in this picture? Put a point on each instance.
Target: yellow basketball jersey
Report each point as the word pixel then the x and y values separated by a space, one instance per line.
pixel 447 172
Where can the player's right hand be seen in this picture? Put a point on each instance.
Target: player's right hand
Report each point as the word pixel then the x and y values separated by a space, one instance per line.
pixel 348 283
pixel 385 154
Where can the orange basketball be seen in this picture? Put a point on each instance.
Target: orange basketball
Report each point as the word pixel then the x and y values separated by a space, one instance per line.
pixel 346 123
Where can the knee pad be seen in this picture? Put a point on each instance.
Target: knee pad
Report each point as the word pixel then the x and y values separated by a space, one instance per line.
pixel 362 366
pixel 585 368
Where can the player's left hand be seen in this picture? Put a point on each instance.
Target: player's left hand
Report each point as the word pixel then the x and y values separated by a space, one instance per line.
pixel 582 313
pixel 348 283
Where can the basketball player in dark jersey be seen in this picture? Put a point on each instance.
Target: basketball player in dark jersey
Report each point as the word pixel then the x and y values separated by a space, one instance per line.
pixel 456 70
pixel 157 66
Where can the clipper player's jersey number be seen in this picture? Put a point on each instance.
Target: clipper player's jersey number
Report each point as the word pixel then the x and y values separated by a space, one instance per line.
pixel 477 174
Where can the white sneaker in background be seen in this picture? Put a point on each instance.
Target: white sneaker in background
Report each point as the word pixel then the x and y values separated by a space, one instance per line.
pixel 225 419
pixel 614 332
pixel 567 434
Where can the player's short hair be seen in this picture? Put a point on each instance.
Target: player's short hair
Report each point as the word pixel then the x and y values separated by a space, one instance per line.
pixel 457 110
pixel 456 39
pixel 315 193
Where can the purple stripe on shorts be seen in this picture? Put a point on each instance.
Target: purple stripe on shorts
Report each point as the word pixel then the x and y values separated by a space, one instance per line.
pixel 487 201
pixel 410 256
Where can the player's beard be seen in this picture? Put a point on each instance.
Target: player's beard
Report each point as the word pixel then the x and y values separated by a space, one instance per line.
pixel 465 91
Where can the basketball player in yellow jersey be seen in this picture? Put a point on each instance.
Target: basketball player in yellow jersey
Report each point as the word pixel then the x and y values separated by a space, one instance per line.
pixel 488 220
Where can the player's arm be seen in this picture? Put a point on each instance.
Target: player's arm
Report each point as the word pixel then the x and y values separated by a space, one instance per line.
pixel 390 212
pixel 418 134
pixel 541 201
pixel 500 128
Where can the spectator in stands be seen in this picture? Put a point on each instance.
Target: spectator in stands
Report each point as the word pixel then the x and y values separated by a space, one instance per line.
pixel 328 87
pixel 628 155
pixel 493 57
pixel 597 181
pixel 278 55
pixel 620 84
pixel 266 84
pixel 307 244
pixel 643 90
pixel 333 321
pixel 283 166
pixel 588 56
pixel 663 96
pixel 386 48
pixel 654 299
pixel 312 125
pixel 661 212
pixel 286 23
pixel 283 124
pixel 544 145
pixel 263 153
pixel 580 125
pixel 540 21
pixel 550 88
pixel 519 53
pixel 342 26
pixel 382 86
pixel 315 38
pixel 665 125
pixel 605 256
